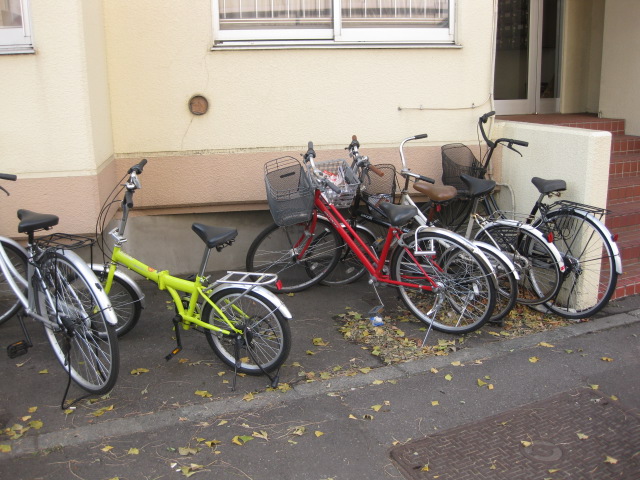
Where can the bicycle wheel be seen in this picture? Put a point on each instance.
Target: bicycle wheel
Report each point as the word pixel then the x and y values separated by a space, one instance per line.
pixel 349 267
pixel 85 344
pixel 507 291
pixel 591 276
pixel 125 301
pixel 265 341
pixel 465 294
pixel 9 303
pixel 540 275
pixel 277 249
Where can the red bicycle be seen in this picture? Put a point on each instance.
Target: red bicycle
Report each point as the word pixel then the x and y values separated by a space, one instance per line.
pixel 442 278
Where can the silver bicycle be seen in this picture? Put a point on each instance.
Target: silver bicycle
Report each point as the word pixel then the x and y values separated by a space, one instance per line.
pixel 54 286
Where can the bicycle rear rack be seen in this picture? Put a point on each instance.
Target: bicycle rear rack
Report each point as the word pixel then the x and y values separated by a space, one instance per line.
pixel 66 241
pixel 248 278
pixel 569 205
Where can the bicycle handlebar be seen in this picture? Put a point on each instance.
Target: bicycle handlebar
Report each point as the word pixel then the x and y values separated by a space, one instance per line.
pixel 353 151
pixel 133 183
pixel 510 142
pixel 308 157
pixel 7 176
pixel 486 116
pixel 405 172
pixel 137 168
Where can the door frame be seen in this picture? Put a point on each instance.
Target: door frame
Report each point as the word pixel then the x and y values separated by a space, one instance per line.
pixel 533 103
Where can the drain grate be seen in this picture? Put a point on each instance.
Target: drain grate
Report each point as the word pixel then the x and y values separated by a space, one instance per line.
pixel 579 434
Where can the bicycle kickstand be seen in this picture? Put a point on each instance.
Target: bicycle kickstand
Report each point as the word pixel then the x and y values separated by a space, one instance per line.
pixel 22 346
pixel 375 314
pixel 176 324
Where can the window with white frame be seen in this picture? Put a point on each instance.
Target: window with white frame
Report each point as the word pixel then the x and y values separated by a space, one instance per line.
pixel 15 30
pixel 334 21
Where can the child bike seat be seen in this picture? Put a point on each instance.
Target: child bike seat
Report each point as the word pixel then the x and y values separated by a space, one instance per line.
pixel 477 186
pixel 214 236
pixel 32 221
pixel 548 186
pixel 436 193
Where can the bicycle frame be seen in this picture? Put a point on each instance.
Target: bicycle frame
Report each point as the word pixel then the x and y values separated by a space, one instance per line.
pixel 173 285
pixel 370 260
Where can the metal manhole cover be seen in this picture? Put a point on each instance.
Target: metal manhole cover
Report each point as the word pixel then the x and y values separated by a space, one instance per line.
pixel 579 434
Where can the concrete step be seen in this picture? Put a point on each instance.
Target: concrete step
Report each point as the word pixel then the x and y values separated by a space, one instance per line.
pixel 575 120
pixel 625 144
pixel 623 189
pixel 623 215
pixel 629 281
pixel 624 165
pixel 629 246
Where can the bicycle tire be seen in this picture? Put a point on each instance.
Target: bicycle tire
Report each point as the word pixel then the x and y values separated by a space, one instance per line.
pixel 125 301
pixel 466 296
pixel 265 342
pixel 540 275
pixel 86 345
pixel 507 284
pixel 9 303
pixel 591 276
pixel 349 268
pixel 272 251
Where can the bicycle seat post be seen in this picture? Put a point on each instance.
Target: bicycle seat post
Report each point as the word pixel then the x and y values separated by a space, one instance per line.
pixel 205 261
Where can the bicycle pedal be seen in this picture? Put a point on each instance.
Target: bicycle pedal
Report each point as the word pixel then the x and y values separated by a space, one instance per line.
pixel 18 348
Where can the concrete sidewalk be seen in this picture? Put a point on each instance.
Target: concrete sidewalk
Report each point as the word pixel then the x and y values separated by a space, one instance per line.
pixel 338 412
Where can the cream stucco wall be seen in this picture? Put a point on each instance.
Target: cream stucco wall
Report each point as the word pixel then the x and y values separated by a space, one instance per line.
pixel 56 128
pixel 578 156
pixel 110 82
pixel 621 63
pixel 268 103
pixel 159 56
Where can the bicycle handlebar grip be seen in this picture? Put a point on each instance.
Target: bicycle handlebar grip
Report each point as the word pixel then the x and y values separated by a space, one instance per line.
pixel 486 116
pixel 128 198
pixel 418 137
pixel 522 143
pixel 310 152
pixel 427 179
pixel 138 167
pixel 376 170
pixel 332 186
pixel 8 176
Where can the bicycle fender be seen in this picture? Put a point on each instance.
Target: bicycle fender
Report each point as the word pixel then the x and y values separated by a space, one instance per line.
pixel 102 299
pixel 459 238
pixel 125 278
pixel 15 244
pixel 499 253
pixel 535 232
pixel 260 290
pixel 606 233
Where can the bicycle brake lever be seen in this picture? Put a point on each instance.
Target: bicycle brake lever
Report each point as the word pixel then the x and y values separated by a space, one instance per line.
pixel 511 147
pixel 8 194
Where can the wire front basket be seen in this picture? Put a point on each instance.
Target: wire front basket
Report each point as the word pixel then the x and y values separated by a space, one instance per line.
pixel 289 191
pixel 456 160
pixel 341 175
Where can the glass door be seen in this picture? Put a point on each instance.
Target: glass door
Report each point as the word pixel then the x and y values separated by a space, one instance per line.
pixel 527 65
